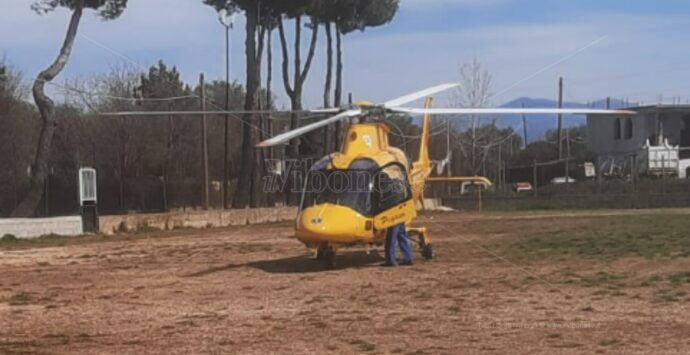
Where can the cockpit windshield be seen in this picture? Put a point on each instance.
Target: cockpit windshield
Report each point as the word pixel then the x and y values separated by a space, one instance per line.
pixel 364 187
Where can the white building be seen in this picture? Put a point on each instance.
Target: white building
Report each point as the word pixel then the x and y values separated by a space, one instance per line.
pixel 658 137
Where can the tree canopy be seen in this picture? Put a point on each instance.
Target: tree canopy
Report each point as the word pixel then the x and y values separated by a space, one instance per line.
pixel 107 9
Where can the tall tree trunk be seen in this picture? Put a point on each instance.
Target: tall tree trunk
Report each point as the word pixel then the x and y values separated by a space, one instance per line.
pixel 293 152
pixel 338 84
pixel 268 153
pixel 46 107
pixel 309 149
pixel 327 86
pixel 296 97
pixel 294 90
pixel 329 66
pixel 244 189
pixel 269 79
pixel 258 198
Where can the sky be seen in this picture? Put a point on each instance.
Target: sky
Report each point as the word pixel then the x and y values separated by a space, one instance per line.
pixel 635 49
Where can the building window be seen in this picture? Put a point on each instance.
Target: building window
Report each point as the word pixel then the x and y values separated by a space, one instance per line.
pixel 617 129
pixel 628 128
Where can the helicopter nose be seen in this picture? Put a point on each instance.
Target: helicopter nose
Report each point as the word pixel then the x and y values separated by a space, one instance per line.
pixel 330 220
pixel 331 223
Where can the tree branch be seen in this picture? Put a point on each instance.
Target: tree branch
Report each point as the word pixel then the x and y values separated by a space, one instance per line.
pixel 298 53
pixel 329 65
pixel 286 59
pixel 43 102
pixel 310 56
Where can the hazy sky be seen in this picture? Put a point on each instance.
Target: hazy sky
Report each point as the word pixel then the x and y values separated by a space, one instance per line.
pixel 636 49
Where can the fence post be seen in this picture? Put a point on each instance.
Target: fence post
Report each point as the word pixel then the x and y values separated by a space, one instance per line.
pixel 567 175
pixel 204 142
pixel 663 174
pixel 479 198
pixel 505 177
pixel 14 176
pixel 46 195
pixel 633 173
pixel 534 178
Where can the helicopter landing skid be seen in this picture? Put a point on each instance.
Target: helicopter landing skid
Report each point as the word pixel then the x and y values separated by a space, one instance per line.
pixel 325 253
pixel 424 241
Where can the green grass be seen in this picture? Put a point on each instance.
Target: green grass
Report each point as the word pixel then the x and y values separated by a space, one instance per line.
pixel 680 278
pixel 606 237
pixel 21 298
pixel 8 238
pixel 600 240
pixel 363 345
pixel 669 295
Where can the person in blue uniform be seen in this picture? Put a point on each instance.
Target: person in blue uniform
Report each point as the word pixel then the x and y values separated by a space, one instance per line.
pixel 398 235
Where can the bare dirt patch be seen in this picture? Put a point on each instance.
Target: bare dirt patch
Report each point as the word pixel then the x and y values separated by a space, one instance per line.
pixel 255 290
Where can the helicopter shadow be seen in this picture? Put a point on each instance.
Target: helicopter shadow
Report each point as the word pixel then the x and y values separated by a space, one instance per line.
pixel 308 264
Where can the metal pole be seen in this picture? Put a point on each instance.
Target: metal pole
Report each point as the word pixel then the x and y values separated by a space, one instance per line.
pixel 479 198
pixel 534 178
pixel 204 141
pixel 560 118
pixel 663 174
pixel 47 194
pixel 14 174
pixel 567 175
pixel 633 171
pixel 505 176
pixel 567 161
pixel 227 117
pixel 168 162
pixel 498 173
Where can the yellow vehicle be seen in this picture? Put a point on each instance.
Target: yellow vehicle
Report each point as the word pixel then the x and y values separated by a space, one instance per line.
pixel 353 196
pixel 366 188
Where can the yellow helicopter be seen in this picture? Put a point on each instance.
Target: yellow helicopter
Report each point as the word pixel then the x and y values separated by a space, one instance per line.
pixel 353 196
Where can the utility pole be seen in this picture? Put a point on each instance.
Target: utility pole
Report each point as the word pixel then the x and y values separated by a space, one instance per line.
pixel 608 103
pixel 227 20
pixel 560 118
pixel 227 118
pixel 204 140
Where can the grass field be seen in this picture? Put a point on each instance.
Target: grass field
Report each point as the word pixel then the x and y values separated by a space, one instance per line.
pixel 529 282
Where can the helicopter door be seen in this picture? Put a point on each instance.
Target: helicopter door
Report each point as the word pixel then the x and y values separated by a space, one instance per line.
pixel 392 197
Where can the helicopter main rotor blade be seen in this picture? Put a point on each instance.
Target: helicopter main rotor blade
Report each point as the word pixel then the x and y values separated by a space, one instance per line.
pixel 325 110
pixel 288 136
pixel 509 111
pixel 214 113
pixel 420 95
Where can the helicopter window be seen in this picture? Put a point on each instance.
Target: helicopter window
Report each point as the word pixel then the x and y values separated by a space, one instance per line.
pixel 349 188
pixel 391 187
pixel 363 188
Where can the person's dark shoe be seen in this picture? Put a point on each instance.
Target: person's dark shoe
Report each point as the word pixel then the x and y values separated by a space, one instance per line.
pixel 387 264
pixel 407 263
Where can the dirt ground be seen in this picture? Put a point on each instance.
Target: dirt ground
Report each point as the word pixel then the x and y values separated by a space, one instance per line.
pixel 255 290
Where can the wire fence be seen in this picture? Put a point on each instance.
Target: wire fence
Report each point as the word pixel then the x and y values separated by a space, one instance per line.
pixel 544 185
